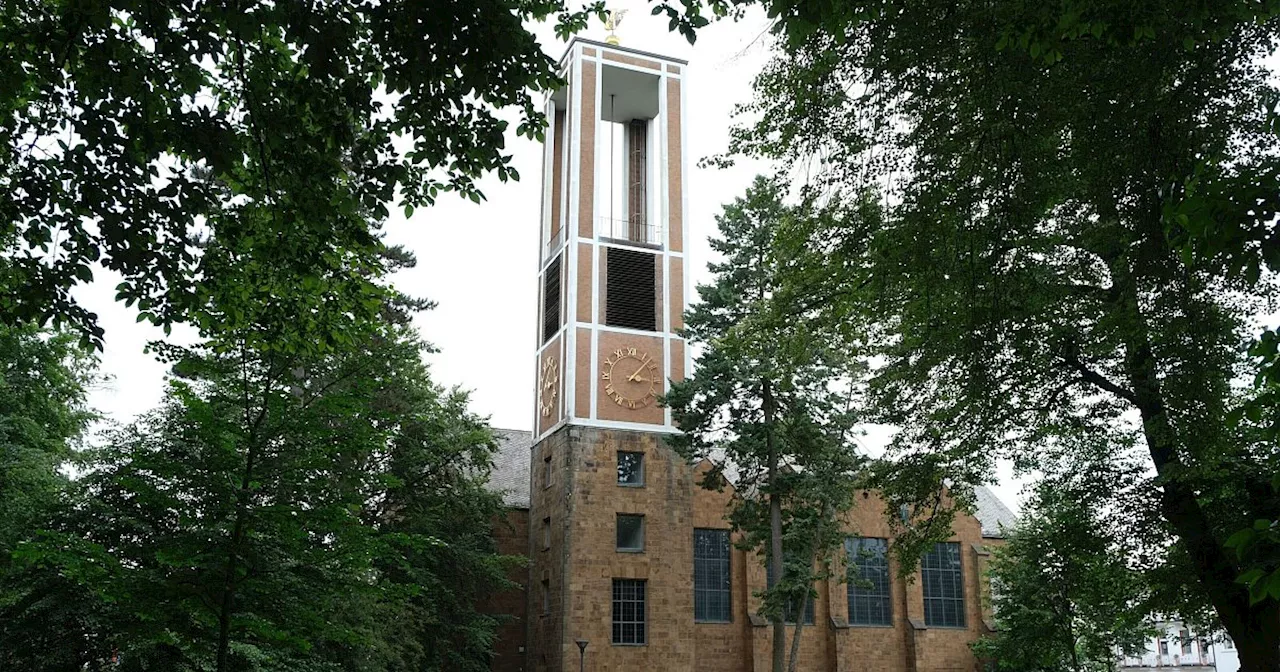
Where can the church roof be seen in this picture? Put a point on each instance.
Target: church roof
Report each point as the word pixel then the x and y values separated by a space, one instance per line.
pixel 510 476
pixel 996 518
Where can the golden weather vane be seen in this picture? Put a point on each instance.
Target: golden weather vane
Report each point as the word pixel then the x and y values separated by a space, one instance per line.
pixel 611 24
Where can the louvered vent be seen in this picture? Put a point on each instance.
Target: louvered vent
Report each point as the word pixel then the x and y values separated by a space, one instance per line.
pixel 630 289
pixel 551 300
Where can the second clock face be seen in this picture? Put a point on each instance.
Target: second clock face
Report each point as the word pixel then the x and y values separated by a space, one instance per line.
pixel 630 377
pixel 547 392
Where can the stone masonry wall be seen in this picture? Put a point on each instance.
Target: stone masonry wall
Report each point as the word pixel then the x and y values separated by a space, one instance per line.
pixel 511 534
pixel 666 562
pixel 582 499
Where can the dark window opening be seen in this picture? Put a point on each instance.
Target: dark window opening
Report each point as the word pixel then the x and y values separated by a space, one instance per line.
pixel 551 300
pixel 630 468
pixel 630 532
pixel 631 289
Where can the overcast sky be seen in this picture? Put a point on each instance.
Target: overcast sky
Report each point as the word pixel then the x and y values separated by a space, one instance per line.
pixel 478 261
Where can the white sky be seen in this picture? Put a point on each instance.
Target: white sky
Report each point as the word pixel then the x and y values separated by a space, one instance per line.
pixel 479 262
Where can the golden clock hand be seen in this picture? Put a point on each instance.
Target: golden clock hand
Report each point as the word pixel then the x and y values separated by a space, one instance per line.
pixel 635 376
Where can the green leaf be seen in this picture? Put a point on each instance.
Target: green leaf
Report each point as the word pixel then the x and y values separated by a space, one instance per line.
pixel 1240 539
pixel 1250 577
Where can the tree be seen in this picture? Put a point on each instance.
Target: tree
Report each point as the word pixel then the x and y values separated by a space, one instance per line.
pixel 1040 165
pixel 770 402
pixel 42 418
pixel 282 513
pixel 175 142
pixel 43 379
pixel 1068 592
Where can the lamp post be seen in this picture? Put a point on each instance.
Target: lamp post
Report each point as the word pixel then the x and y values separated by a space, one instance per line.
pixel 582 654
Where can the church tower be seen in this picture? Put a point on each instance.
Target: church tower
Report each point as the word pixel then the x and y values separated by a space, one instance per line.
pixel 612 290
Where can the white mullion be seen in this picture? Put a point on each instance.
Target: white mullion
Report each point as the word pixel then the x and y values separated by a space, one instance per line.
pixel 592 360
pixel 573 120
pixel 666 242
pixel 685 225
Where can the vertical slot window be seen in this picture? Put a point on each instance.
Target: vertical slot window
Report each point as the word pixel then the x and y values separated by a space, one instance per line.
pixel 551 300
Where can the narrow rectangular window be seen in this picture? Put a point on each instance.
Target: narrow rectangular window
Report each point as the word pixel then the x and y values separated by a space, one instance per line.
pixel 631 290
pixel 943 586
pixel 711 577
pixel 789 610
pixel 630 468
pixel 551 300
pixel 637 171
pixel 628 611
pixel 1164 646
pixel 630 532
pixel 546 596
pixel 868 581
pixel 546 533
pixel 1185 636
pixel 546 470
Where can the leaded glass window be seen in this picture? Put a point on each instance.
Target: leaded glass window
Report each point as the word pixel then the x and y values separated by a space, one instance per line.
pixel 868 581
pixel 943 586
pixel 711 578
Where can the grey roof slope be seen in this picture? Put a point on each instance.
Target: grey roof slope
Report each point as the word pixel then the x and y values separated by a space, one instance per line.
pixel 996 518
pixel 510 474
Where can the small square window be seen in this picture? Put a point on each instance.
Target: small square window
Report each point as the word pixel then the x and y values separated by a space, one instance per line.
pixel 546 533
pixel 630 532
pixel 630 468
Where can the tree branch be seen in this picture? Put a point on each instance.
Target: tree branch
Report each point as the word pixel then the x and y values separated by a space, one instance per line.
pixel 1072 359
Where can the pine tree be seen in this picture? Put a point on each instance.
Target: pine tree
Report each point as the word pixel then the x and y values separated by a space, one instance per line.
pixel 770 403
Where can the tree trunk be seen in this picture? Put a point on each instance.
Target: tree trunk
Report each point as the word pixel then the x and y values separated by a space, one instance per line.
pixel 229 586
pixel 1071 635
pixel 795 636
pixel 1255 628
pixel 775 529
pixel 243 493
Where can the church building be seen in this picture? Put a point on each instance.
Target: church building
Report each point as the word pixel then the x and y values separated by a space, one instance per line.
pixel 631 563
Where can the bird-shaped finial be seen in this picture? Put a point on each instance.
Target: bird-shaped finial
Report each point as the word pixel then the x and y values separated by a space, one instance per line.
pixel 611 24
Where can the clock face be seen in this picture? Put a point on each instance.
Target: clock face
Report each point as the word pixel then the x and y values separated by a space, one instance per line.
pixel 550 386
pixel 631 377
